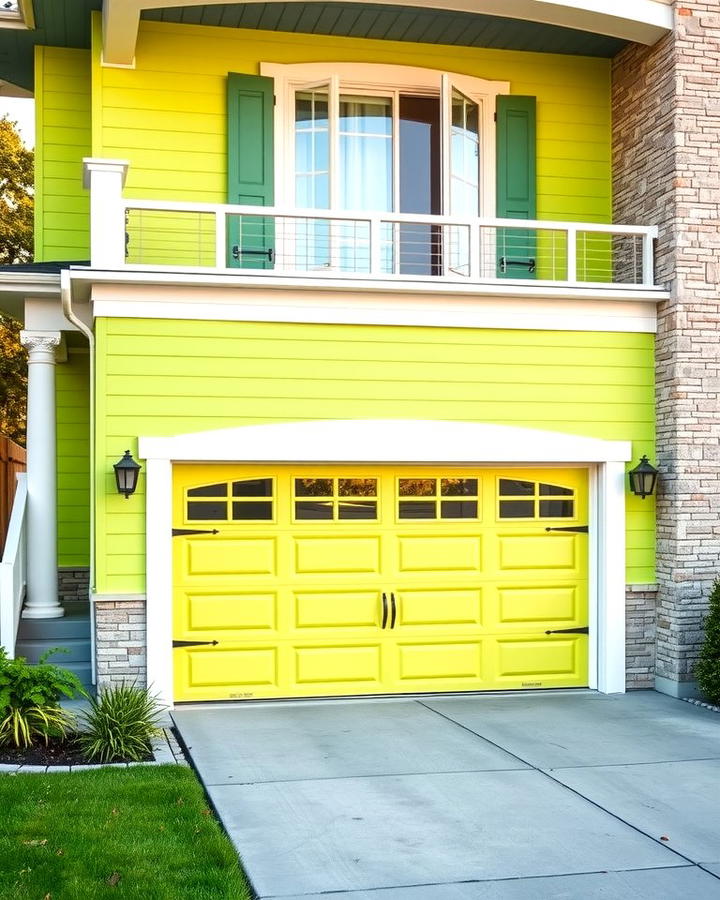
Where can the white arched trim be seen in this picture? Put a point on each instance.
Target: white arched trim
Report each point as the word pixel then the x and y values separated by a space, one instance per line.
pixel 384 440
pixel 399 441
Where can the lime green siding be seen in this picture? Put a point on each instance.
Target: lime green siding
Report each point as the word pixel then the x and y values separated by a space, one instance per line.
pixel 168 117
pixel 73 454
pixel 162 377
pixel 62 105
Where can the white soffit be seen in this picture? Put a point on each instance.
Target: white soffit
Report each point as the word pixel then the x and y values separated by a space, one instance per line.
pixel 644 21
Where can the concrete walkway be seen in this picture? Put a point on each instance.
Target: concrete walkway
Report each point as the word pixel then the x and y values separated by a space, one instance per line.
pixel 555 795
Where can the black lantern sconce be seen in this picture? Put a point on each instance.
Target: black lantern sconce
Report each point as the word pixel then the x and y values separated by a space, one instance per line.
pixel 643 478
pixel 126 474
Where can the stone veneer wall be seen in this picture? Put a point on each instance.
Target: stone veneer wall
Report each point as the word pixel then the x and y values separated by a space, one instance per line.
pixel 640 626
pixel 666 147
pixel 74 584
pixel 121 640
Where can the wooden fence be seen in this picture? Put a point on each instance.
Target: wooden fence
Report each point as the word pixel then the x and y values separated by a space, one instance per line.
pixel 12 461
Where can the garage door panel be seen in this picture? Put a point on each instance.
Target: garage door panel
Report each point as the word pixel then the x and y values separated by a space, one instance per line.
pixel 440 608
pixel 337 609
pixel 433 553
pixel 226 612
pixel 350 664
pixel 444 661
pixel 550 604
pixel 221 557
pixel 330 554
pixel 537 551
pixel 249 667
pixel 546 659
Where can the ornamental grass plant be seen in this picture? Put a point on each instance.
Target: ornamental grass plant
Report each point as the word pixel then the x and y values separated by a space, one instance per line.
pixel 120 724
pixel 30 697
pixel 707 668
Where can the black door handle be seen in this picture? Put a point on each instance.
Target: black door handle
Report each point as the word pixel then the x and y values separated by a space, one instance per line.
pixel 394 610
pixel 385 611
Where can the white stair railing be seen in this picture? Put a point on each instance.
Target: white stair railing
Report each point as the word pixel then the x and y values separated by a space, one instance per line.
pixel 13 569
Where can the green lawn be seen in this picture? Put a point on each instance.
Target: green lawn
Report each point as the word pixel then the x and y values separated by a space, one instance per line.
pixel 143 832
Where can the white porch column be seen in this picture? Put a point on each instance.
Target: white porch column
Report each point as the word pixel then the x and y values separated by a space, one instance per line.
pixel 105 179
pixel 42 596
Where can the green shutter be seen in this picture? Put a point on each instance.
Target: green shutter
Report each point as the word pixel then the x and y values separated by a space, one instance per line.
pixel 250 168
pixel 516 185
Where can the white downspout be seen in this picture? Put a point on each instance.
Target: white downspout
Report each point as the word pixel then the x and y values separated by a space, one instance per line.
pixel 66 300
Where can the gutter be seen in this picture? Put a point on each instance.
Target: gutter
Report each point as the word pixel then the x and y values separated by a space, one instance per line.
pixel 66 300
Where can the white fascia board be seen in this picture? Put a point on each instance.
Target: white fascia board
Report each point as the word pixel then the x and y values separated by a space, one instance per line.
pixel 86 277
pixel 644 21
pixel 407 441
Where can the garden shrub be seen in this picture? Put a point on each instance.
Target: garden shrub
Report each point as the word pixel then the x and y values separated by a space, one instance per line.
pixel 30 700
pixel 707 668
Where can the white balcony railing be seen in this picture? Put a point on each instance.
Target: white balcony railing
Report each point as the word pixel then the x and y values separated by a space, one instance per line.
pixel 13 569
pixel 270 241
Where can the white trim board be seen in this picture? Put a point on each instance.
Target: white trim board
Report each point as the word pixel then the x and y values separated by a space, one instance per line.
pixel 399 441
pixel 359 308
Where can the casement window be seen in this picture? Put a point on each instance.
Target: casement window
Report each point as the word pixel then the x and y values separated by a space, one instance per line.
pixel 347 138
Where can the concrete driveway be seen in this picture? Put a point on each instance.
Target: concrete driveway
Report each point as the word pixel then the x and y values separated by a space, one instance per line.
pixel 553 795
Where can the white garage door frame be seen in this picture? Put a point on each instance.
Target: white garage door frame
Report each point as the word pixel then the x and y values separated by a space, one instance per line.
pixel 399 442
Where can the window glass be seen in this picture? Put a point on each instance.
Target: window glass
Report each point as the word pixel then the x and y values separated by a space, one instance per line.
pixel 538 503
pixel 517 509
pixel 357 487
pixel 198 511
pixel 417 509
pixel 260 510
pixel 557 509
pixel 512 488
pixel 357 509
pixel 238 510
pixel 208 490
pixel 554 490
pixel 459 509
pixel 313 487
pixel 459 487
pixel 417 487
pixel 314 509
pixel 253 487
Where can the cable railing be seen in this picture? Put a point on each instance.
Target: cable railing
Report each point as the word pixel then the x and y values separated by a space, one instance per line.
pixel 360 247
pixel 391 246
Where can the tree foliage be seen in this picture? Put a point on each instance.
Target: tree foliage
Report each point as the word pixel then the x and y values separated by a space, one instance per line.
pixel 16 196
pixel 13 381
pixel 16 246
pixel 707 669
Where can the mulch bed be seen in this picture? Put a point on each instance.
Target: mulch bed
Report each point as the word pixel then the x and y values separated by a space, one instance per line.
pixel 58 752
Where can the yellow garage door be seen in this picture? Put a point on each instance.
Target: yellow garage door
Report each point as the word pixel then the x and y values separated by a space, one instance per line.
pixel 316 582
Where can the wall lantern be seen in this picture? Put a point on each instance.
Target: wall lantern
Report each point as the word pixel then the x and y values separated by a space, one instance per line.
pixel 643 478
pixel 126 474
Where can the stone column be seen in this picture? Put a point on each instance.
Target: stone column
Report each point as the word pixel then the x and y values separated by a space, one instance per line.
pixel 666 130
pixel 42 594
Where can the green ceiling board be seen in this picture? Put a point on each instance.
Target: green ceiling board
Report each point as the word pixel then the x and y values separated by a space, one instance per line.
pixel 391 23
pixel 66 23
pixel 59 23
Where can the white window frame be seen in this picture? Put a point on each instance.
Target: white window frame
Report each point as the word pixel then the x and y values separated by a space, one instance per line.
pixel 387 80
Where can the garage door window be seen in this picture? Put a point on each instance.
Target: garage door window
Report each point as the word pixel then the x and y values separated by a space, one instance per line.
pixel 247 500
pixel 335 499
pixel 534 500
pixel 433 498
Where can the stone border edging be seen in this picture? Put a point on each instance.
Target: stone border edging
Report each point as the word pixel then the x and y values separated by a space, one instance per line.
pixel 701 703
pixel 166 751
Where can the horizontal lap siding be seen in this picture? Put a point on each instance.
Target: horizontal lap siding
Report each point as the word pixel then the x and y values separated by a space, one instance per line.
pixel 160 377
pixel 167 115
pixel 73 455
pixel 62 96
